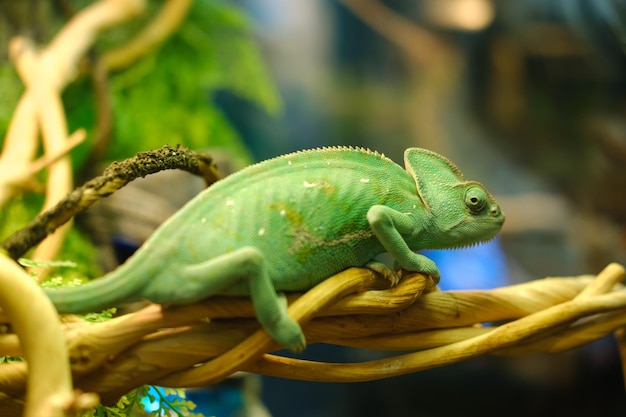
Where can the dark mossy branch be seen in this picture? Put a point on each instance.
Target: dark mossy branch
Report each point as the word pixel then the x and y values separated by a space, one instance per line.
pixel 117 175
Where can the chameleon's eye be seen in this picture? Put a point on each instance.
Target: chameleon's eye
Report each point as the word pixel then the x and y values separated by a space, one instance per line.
pixel 475 199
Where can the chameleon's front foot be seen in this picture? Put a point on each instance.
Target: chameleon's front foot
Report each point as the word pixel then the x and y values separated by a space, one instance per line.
pixel 425 266
pixel 390 227
pixel 392 276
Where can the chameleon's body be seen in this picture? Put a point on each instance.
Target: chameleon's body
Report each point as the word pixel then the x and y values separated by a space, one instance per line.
pixel 292 221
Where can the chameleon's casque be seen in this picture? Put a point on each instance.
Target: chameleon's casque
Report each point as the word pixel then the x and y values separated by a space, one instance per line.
pixel 290 222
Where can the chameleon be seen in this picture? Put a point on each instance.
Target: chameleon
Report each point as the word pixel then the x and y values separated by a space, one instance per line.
pixel 290 222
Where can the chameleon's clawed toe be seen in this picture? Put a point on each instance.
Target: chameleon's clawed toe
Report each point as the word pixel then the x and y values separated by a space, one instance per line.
pixel 392 276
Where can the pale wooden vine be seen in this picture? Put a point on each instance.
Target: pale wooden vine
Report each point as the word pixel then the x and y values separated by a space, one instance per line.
pixel 192 345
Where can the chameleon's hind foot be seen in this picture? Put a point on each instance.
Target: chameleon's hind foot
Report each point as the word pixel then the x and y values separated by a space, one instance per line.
pixel 289 334
pixel 286 330
pixel 245 265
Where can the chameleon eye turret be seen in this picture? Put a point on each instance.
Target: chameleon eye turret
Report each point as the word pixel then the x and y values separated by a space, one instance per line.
pixel 476 199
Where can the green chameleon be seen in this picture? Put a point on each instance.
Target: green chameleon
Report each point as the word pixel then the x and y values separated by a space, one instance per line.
pixel 288 223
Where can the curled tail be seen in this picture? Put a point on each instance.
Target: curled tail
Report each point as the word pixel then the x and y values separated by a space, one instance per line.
pixel 117 287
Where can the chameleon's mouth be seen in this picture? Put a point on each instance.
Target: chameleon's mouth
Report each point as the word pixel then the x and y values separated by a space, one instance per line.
pixel 488 228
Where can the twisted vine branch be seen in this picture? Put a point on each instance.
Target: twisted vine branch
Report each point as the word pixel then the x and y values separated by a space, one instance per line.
pixel 114 357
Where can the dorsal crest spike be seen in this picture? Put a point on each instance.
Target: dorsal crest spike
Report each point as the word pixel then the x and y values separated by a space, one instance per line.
pixel 340 148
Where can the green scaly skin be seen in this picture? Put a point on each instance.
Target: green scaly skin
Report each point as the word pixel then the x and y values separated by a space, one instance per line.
pixel 290 222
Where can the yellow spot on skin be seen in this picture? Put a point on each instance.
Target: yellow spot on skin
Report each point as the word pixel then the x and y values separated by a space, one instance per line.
pixel 365 180
pixel 262 231
pixel 309 184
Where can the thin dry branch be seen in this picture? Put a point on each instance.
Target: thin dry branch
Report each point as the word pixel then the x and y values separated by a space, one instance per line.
pixel 169 18
pixel 113 178
pixel 422 45
pixel 23 174
pixel 436 62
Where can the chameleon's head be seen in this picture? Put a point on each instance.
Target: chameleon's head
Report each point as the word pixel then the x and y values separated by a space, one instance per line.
pixel 464 211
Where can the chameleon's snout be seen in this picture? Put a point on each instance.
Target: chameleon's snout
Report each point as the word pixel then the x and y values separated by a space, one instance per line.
pixel 496 212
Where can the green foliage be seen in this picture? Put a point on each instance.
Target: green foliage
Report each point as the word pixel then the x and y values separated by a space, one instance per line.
pixel 17 212
pixel 164 402
pixel 11 359
pixel 10 90
pixel 167 97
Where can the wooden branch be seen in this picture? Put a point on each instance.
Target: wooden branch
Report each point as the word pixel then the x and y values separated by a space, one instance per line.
pixel 45 73
pixel 176 346
pixel 422 45
pixel 436 63
pixel 500 337
pixel 59 64
pixel 50 392
pixel 169 18
pixel 20 175
pixel 302 310
pixel 113 178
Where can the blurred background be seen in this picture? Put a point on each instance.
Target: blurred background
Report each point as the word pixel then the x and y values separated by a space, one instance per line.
pixel 525 97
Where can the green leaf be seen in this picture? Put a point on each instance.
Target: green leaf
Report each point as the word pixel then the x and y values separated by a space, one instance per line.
pixel 11 88
pixel 167 97
pixel 30 263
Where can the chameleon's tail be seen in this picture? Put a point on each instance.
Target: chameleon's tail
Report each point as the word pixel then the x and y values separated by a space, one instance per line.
pixel 114 288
